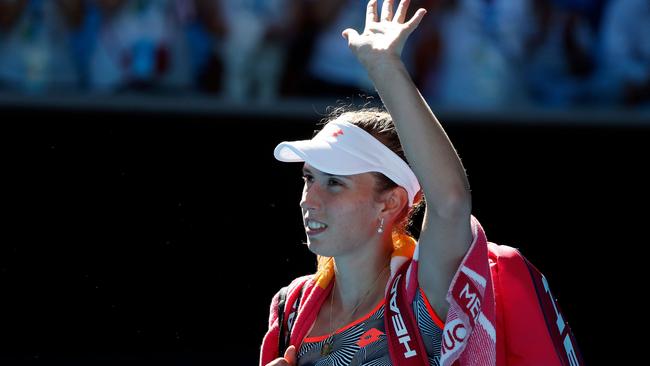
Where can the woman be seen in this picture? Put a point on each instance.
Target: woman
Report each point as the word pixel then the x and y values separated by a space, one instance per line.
pixel 357 196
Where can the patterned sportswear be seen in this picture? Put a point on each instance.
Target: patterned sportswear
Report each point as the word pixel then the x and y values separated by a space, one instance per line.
pixel 363 342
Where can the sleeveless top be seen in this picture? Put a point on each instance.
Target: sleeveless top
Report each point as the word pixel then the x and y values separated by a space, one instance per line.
pixel 363 342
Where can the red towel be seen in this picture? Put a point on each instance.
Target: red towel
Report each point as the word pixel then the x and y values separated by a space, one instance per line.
pixel 476 343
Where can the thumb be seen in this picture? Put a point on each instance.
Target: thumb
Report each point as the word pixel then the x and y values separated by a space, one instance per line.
pixel 350 35
pixel 290 355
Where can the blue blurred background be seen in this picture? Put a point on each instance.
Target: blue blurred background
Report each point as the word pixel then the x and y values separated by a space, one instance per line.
pixel 146 221
pixel 467 54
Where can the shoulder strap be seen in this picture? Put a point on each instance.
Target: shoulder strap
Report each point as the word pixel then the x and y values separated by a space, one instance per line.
pixel 283 338
pixel 558 328
pixel 404 341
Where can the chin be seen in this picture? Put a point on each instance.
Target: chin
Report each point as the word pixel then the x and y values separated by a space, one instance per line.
pixel 318 247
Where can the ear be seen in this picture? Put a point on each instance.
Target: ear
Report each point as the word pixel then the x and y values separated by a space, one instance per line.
pixel 394 200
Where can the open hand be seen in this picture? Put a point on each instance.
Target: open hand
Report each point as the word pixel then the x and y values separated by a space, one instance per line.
pixel 383 38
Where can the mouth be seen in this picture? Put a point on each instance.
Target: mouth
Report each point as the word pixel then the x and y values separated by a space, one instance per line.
pixel 313 227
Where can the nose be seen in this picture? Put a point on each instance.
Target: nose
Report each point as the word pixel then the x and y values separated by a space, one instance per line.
pixel 310 199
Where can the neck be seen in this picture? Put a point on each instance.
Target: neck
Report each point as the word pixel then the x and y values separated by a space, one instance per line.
pixel 362 275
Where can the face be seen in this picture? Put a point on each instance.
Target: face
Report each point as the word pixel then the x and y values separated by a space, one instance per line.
pixel 340 213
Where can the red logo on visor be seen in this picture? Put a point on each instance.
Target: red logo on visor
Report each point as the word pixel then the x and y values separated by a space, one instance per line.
pixel 337 133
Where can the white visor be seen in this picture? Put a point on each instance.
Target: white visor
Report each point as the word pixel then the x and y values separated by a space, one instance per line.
pixel 342 148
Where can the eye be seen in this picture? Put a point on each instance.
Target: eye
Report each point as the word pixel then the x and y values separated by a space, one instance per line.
pixel 307 178
pixel 333 182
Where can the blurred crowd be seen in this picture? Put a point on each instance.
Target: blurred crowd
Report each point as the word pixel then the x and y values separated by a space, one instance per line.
pixel 466 53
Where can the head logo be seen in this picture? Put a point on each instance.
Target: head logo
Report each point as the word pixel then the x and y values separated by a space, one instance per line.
pixel 399 326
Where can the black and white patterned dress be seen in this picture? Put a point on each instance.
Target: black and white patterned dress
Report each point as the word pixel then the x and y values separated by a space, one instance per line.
pixel 363 342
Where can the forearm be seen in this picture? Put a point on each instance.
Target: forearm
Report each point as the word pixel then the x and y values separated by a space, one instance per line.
pixel 427 146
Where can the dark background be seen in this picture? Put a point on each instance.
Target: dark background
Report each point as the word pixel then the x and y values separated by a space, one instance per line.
pixel 160 238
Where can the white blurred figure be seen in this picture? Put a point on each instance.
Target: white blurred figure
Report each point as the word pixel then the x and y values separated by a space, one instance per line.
pixel 140 45
pixel 331 62
pixel 624 72
pixel 35 45
pixel 255 47
pixel 561 56
pixel 482 48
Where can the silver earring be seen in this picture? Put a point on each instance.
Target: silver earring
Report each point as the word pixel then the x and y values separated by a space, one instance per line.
pixel 380 229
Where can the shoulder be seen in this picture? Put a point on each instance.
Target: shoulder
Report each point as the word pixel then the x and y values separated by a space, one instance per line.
pixel 511 274
pixel 297 285
pixel 299 282
pixel 506 262
pixel 291 294
pixel 504 257
pixel 502 252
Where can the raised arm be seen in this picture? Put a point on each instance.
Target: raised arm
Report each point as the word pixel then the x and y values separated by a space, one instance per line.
pixel 446 233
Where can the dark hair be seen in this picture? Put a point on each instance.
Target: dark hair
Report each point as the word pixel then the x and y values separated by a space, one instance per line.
pixel 379 123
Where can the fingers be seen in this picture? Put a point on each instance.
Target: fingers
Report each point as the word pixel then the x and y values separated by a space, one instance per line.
pixel 350 35
pixel 371 12
pixel 289 358
pixel 290 355
pixel 387 10
pixel 279 362
pixel 402 9
pixel 415 21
